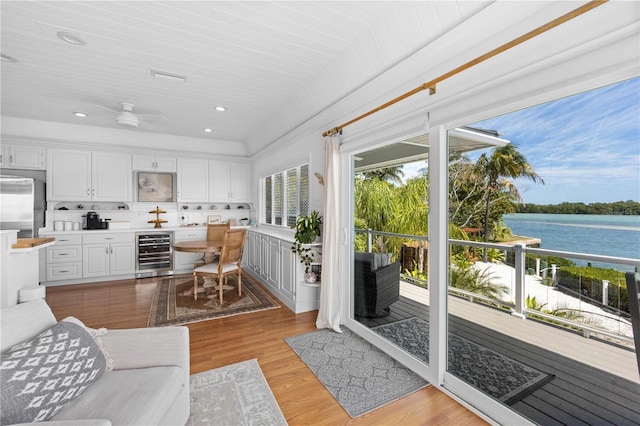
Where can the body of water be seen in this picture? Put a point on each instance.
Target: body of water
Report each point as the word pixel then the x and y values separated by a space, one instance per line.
pixel 593 234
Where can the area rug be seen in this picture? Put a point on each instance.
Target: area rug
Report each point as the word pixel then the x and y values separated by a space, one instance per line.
pixel 360 377
pixel 236 394
pixel 497 375
pixel 173 302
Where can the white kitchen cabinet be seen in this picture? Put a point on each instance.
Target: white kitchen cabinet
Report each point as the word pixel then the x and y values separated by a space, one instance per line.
pixel 108 254
pixel 272 262
pixel 193 180
pixel 274 259
pixel 64 258
pixel 154 163
pixel 183 261
pixel 23 157
pixel 85 176
pixel 229 182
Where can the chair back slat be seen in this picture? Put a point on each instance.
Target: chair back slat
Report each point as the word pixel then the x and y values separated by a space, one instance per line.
pixel 216 232
pixel 233 246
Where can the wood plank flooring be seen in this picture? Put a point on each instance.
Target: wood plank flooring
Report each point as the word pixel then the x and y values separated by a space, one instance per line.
pixel 303 400
pixel 580 394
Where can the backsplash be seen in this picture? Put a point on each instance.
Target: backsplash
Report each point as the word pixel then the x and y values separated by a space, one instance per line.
pixel 136 215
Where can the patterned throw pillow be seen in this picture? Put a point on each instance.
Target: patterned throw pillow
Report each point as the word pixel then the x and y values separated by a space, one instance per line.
pixel 40 376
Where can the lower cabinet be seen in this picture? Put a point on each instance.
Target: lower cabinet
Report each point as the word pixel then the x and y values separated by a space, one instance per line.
pixel 108 254
pixel 272 262
pixel 64 259
pixel 183 261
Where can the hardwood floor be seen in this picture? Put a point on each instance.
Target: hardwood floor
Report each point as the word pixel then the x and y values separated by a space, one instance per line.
pixel 303 400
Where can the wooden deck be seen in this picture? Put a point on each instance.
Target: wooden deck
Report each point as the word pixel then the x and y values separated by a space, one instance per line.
pixel 595 382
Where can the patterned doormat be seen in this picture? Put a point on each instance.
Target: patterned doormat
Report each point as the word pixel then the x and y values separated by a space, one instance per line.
pixel 496 375
pixel 173 302
pixel 236 394
pixel 360 377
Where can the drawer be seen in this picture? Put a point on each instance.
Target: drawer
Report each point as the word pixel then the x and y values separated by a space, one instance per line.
pixel 64 254
pixel 101 238
pixel 68 240
pixel 64 271
pixel 191 235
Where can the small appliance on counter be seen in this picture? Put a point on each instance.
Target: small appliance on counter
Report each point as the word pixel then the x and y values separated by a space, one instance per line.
pixel 92 221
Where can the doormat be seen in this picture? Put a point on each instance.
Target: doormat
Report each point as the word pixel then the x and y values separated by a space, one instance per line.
pixel 360 377
pixel 236 394
pixel 496 375
pixel 173 302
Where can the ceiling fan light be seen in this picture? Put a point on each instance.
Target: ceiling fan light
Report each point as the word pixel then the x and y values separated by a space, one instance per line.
pixel 127 119
pixel 71 39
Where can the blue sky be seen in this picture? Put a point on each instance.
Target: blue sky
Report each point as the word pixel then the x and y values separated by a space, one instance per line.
pixel 586 147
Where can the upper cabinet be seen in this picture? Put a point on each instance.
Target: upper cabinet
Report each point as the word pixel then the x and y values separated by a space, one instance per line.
pixel 193 180
pixel 85 176
pixel 22 157
pixel 154 163
pixel 229 182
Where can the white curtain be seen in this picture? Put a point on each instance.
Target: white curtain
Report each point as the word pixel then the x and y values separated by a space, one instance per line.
pixel 330 312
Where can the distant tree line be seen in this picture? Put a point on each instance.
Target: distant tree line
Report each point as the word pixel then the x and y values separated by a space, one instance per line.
pixel 617 208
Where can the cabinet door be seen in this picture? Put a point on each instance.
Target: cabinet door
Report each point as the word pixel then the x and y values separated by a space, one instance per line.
pixel 166 164
pixel 239 185
pixel 273 277
pixel 193 180
pixel 289 267
pixel 111 177
pixel 183 261
pixel 95 260
pixel 264 257
pixel 146 163
pixel 252 250
pixel 69 175
pixel 122 258
pixel 219 190
pixel 20 157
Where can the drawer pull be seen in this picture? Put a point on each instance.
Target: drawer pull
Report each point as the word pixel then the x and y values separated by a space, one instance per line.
pixel 64 271
pixel 108 238
pixel 63 254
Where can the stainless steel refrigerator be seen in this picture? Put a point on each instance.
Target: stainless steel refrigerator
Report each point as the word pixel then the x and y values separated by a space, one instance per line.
pixel 22 201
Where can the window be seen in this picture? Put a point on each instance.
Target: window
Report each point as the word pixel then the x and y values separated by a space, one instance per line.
pixel 286 196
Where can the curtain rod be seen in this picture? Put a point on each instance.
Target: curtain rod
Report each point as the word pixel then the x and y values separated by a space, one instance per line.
pixel 431 85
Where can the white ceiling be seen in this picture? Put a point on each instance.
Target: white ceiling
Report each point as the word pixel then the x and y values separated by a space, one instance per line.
pixel 252 57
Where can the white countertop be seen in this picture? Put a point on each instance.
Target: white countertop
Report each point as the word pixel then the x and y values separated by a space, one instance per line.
pixel 50 232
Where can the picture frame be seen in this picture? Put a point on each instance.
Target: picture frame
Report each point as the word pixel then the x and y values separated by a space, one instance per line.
pixel 155 187
pixel 214 220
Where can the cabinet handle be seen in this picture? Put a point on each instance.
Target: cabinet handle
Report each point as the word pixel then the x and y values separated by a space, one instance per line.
pixel 93 192
pixel 108 238
pixel 64 271
pixel 106 250
pixel 111 250
pixel 88 191
pixel 63 254
pixel 11 159
pixel 63 240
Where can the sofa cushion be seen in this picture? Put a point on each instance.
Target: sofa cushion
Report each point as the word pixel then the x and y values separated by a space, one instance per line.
pixel 139 396
pixel 41 375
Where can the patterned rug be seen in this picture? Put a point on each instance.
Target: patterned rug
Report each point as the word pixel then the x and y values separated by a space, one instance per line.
pixel 496 375
pixel 360 377
pixel 173 302
pixel 236 394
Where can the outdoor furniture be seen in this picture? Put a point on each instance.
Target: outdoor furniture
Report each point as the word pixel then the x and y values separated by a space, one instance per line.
pixel 228 263
pixel 377 284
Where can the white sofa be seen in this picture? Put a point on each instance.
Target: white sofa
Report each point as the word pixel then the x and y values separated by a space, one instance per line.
pixel 149 383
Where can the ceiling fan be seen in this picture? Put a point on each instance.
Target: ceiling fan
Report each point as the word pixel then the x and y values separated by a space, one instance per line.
pixel 126 116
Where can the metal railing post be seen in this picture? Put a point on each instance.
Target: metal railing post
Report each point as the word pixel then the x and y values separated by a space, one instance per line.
pixel 605 292
pixel 520 304
pixel 537 266
pixel 369 240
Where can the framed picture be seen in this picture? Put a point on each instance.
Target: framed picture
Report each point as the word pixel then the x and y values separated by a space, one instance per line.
pixel 155 187
pixel 214 220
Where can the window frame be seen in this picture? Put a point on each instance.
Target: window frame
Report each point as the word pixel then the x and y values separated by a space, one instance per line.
pixel 286 214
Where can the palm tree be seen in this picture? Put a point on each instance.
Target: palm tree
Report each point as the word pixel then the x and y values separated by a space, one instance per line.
pixel 393 174
pixel 504 162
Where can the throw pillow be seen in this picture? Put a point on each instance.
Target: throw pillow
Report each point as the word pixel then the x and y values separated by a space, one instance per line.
pixel 40 376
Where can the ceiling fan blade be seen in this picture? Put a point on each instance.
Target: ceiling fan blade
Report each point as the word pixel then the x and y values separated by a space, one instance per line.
pixel 145 125
pixel 115 111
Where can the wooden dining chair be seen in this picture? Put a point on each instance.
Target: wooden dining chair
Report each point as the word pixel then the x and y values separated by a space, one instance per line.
pixel 229 263
pixel 214 232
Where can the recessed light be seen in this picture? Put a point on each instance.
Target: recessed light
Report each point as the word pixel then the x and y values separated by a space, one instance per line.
pixel 168 75
pixel 207 130
pixel 221 108
pixel 80 114
pixel 7 58
pixel 71 39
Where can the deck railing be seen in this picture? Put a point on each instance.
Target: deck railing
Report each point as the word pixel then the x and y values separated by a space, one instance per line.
pixel 518 306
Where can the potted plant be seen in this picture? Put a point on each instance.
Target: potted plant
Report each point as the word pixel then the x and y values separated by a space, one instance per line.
pixel 307 229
